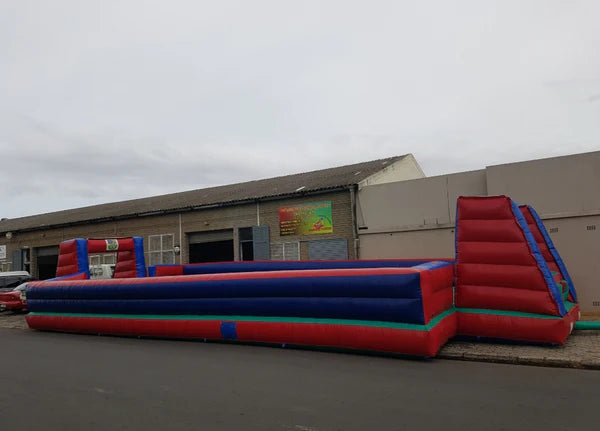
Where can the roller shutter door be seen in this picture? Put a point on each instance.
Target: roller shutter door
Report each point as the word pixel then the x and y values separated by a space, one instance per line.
pixel 328 249
pixel 210 236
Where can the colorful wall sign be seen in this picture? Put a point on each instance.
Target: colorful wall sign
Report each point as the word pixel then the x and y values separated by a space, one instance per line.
pixel 308 219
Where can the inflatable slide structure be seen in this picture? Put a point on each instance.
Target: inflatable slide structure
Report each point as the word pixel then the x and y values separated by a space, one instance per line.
pixel 505 284
pixel 508 282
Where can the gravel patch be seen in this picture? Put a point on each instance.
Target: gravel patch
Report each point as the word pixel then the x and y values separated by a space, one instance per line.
pixel 11 320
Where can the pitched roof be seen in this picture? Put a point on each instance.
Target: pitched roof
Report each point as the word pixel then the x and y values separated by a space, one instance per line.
pixel 299 184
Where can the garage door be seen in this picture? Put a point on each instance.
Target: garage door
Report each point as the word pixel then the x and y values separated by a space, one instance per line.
pixel 210 236
pixel 328 249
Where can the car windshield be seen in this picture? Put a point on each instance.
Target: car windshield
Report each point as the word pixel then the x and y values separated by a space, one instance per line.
pixel 20 287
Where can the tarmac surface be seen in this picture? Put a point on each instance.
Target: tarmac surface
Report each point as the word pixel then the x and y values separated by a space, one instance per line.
pixel 56 381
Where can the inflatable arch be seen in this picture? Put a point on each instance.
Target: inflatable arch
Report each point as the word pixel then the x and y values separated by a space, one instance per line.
pixel 73 257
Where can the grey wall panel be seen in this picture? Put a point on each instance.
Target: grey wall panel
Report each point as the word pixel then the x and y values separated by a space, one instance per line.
pixel 423 202
pixel 260 242
pixel 561 185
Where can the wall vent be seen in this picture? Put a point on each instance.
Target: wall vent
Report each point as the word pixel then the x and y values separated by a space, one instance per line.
pixel 591 227
pixel 553 229
pixel 596 303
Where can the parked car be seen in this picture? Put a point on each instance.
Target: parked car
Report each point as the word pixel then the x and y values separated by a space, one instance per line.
pixel 8 280
pixel 102 271
pixel 14 300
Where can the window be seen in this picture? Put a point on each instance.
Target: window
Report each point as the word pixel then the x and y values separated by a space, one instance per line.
pixel 26 258
pixel 105 258
pixel 246 243
pixel 5 266
pixel 285 251
pixel 161 249
pixel 254 243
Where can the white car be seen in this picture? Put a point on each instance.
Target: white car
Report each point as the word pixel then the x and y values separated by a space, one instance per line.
pixel 99 272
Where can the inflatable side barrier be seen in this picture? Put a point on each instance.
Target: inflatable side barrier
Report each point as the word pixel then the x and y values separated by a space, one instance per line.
pixel 402 310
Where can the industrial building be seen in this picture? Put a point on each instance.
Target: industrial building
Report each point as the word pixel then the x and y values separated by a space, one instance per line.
pixel 376 209
pixel 264 219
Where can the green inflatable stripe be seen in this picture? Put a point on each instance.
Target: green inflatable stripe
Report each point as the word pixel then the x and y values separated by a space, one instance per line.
pixel 437 319
pixel 568 306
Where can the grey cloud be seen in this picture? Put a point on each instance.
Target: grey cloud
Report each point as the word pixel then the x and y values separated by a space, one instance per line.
pixel 103 101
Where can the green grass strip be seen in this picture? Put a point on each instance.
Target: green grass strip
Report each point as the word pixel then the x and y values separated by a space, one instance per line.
pixel 410 326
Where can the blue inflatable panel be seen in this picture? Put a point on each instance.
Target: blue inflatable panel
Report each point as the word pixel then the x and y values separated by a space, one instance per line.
pixel 82 256
pixel 559 262
pixel 537 254
pixel 140 262
pixel 380 309
pixel 228 330
pixel 215 268
pixel 69 276
pixel 361 286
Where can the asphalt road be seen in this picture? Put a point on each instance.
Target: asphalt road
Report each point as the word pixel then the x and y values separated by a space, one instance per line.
pixel 75 382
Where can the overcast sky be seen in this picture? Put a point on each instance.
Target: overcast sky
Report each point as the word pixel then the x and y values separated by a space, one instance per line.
pixel 105 100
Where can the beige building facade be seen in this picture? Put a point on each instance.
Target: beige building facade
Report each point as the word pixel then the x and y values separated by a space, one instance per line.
pixel 416 218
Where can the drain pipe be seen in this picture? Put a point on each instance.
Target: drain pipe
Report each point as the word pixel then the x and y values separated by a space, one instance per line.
pixel 355 239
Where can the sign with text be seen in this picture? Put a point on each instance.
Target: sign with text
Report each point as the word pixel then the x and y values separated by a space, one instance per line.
pixel 307 219
pixel 2 252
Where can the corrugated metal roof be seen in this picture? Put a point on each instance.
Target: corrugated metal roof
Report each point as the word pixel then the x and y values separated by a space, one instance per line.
pixel 299 184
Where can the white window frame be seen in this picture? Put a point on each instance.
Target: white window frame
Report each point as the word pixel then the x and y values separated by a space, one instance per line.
pixel 155 257
pixel 284 245
pixel 102 258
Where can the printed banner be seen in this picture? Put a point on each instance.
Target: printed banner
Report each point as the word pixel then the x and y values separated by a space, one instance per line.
pixel 112 244
pixel 309 219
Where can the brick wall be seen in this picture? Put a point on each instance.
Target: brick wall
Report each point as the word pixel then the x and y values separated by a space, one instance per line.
pixel 341 210
pixel 226 217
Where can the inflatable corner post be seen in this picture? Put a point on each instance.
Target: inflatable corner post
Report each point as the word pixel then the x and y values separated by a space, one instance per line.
pixel 504 286
pixel 73 257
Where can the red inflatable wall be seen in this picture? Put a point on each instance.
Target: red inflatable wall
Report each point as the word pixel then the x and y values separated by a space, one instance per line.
pixel 67 259
pixel 495 264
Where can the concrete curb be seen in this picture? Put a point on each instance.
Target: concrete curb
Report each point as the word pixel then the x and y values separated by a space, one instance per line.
pixel 518 360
